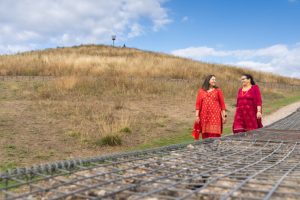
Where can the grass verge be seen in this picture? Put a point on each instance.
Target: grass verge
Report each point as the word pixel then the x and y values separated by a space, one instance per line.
pixel 272 106
pixel 186 136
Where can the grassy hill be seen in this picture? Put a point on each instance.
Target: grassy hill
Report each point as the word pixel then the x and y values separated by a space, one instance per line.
pixel 99 96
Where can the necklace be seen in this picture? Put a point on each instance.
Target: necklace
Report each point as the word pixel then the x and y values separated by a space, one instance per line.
pixel 246 91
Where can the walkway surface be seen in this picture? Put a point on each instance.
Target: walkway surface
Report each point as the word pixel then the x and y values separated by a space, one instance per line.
pixel 281 113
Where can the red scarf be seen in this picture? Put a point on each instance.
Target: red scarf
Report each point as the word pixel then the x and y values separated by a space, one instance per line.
pixel 196 131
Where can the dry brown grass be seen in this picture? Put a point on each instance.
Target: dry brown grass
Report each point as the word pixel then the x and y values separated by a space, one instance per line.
pixel 92 69
pixel 93 60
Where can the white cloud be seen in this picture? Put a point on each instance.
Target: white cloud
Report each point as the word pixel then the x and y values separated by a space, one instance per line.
pixel 198 52
pixel 254 65
pixel 135 30
pixel 70 22
pixel 9 49
pixel 292 1
pixel 280 58
pixel 184 19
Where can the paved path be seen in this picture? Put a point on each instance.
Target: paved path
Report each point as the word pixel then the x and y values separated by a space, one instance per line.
pixel 281 113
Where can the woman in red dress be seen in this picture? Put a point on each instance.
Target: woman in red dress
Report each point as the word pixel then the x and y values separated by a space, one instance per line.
pixel 248 106
pixel 210 110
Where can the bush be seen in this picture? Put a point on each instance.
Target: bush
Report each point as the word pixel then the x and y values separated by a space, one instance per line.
pixel 125 130
pixel 109 140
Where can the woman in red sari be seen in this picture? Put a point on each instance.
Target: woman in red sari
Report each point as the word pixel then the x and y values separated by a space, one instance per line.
pixel 210 110
pixel 248 106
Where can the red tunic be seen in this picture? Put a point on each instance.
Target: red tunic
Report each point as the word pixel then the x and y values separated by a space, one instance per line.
pixel 246 108
pixel 209 105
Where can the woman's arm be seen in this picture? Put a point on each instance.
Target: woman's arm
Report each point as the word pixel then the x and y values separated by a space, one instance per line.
pixel 222 105
pixel 199 101
pixel 197 114
pixel 258 96
pixel 258 102
pixel 198 105
pixel 221 100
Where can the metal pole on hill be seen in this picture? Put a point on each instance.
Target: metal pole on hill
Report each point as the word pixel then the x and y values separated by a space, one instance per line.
pixel 113 37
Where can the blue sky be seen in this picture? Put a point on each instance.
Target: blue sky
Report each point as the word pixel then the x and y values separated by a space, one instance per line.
pixel 233 24
pixel 257 34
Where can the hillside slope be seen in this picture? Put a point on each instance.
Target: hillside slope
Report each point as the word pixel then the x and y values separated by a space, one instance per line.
pixel 100 96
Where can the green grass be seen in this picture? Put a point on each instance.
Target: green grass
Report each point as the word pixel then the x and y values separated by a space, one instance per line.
pixel 4 185
pixel 126 130
pixel 7 165
pixel 227 131
pixel 182 137
pixel 109 140
pixel 272 106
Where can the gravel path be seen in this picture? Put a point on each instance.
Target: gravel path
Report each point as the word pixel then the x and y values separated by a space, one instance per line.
pixel 281 113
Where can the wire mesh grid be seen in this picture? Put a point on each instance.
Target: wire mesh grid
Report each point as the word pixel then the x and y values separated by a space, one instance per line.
pixel 261 164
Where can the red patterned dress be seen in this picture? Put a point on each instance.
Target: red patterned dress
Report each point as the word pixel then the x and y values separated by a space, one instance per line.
pixel 246 108
pixel 210 104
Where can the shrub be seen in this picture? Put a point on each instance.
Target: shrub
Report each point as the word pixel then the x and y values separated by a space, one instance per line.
pixel 109 140
pixel 125 130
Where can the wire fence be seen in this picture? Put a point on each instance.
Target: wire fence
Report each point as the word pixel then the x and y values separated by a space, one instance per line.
pixel 260 164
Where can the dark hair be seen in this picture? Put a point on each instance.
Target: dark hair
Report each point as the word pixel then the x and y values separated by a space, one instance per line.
pixel 249 76
pixel 205 85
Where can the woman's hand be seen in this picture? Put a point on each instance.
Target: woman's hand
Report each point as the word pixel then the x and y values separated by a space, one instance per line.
pixel 197 119
pixel 223 115
pixel 258 115
pixel 224 119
